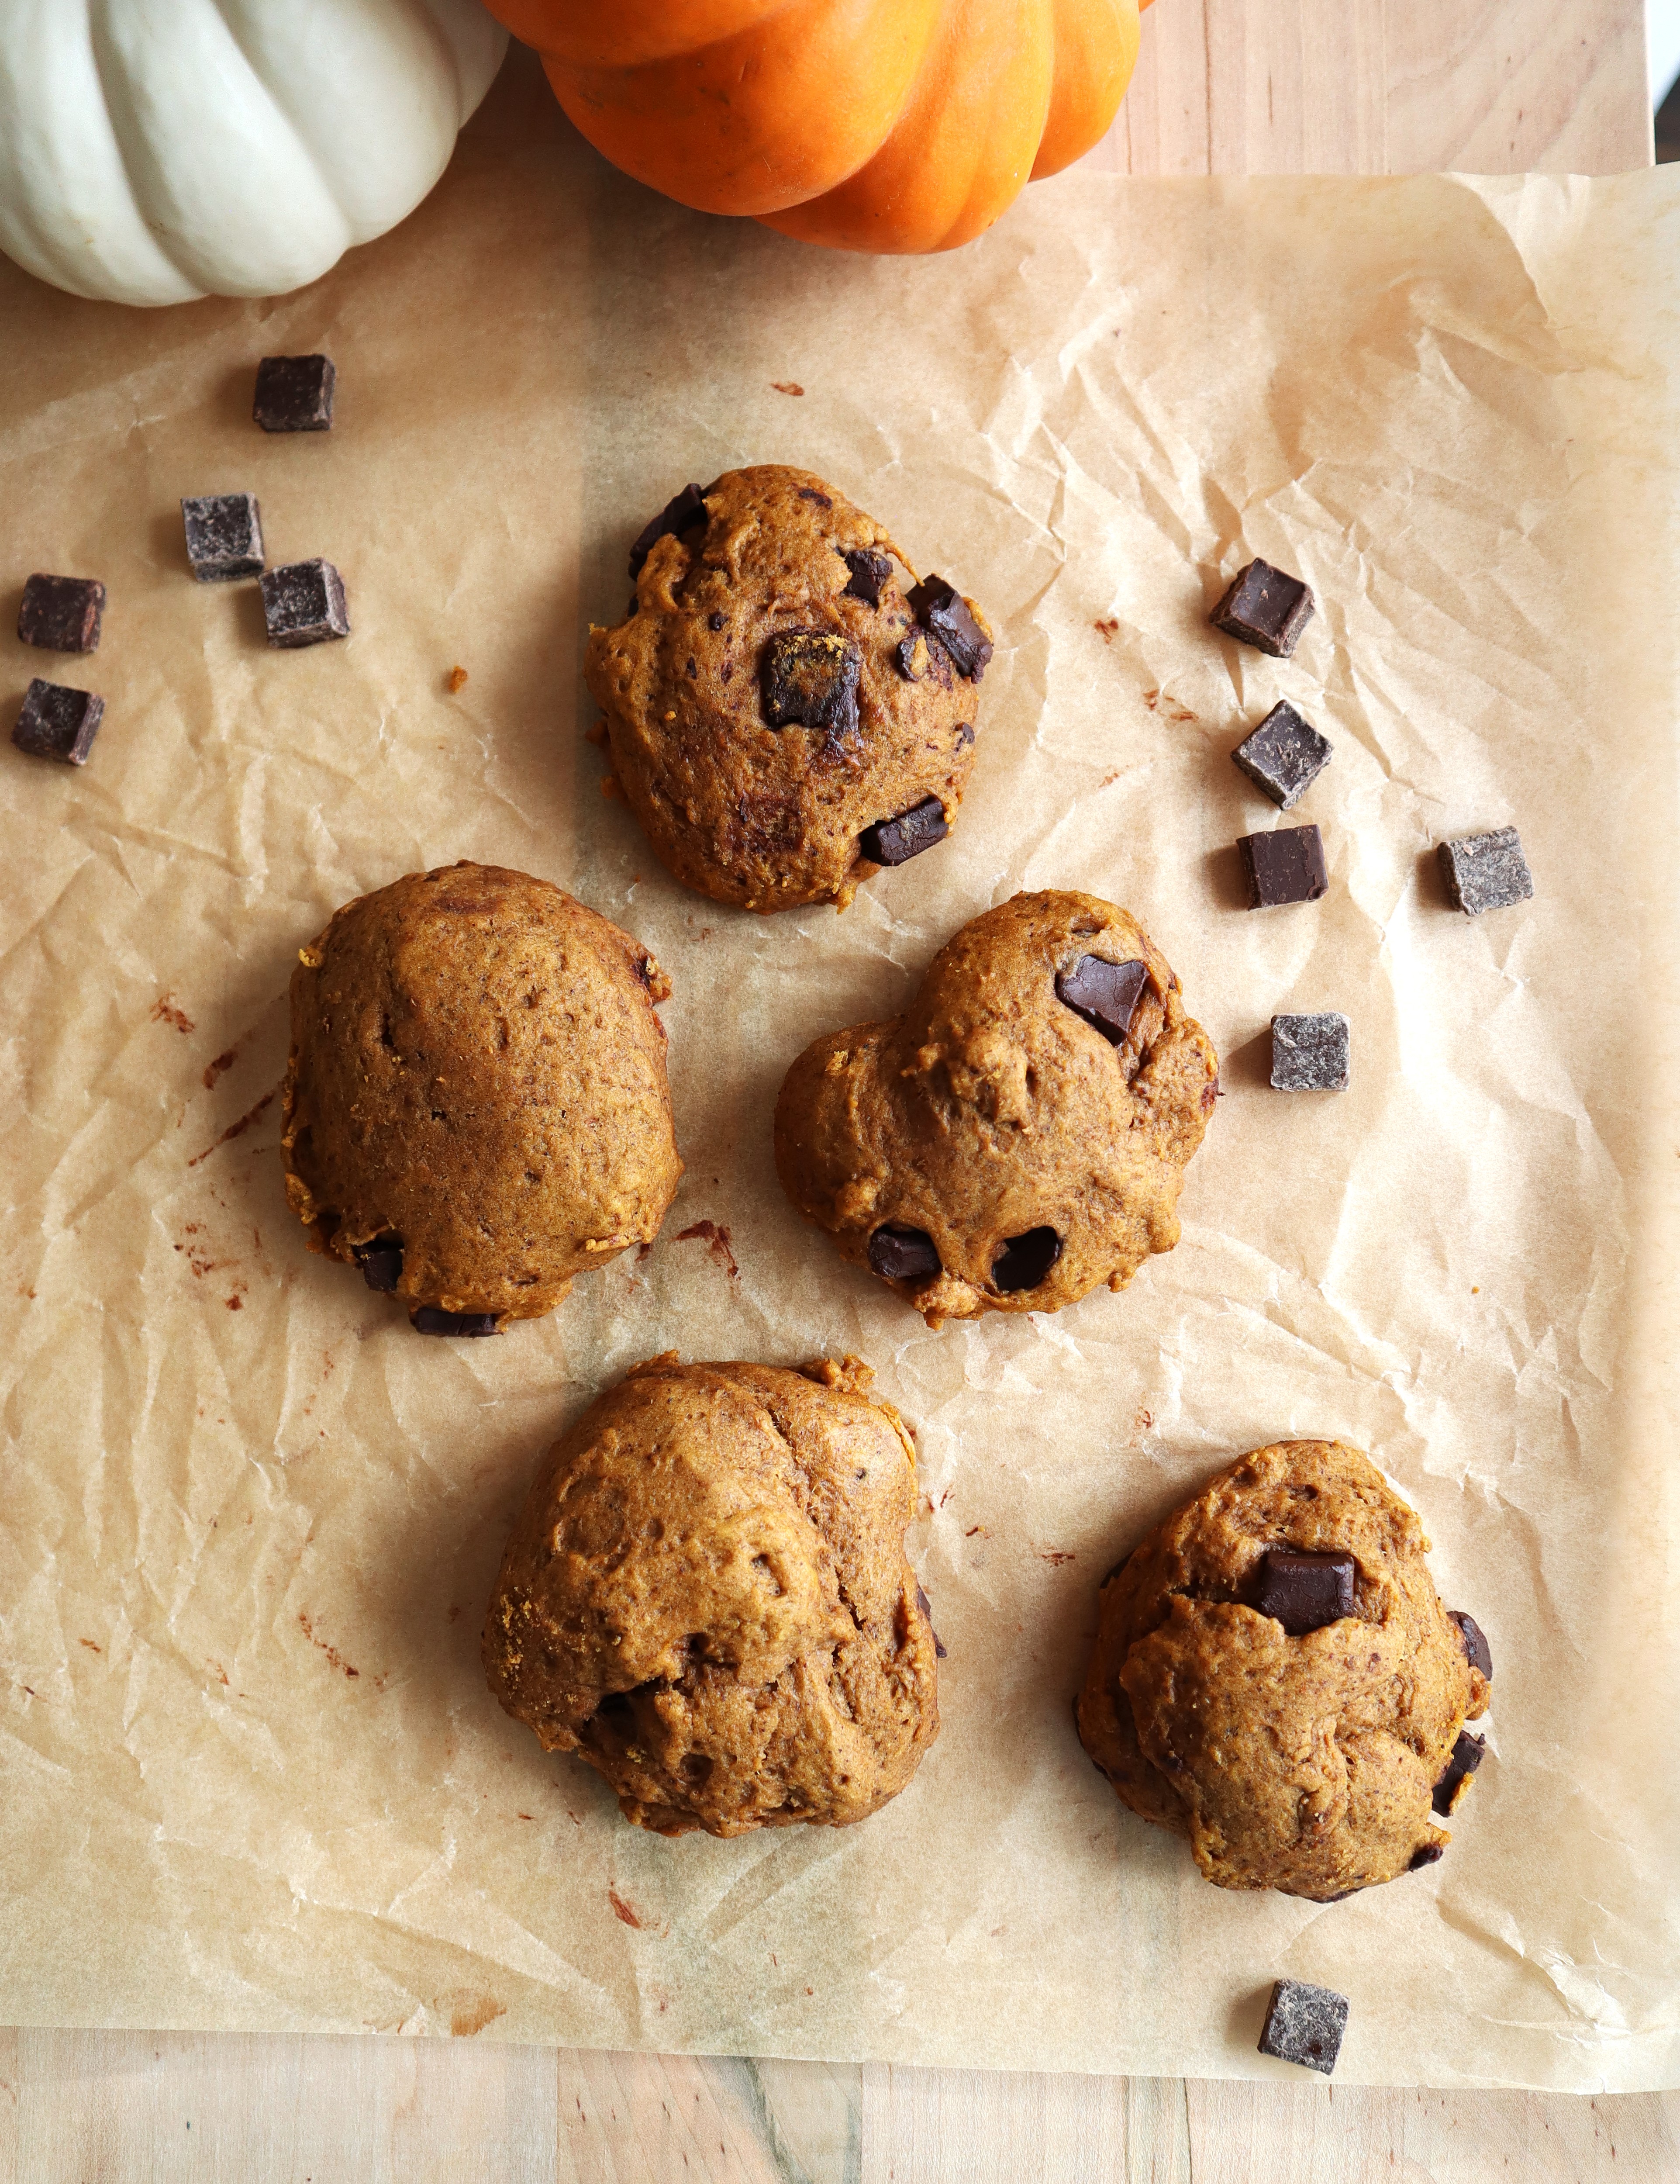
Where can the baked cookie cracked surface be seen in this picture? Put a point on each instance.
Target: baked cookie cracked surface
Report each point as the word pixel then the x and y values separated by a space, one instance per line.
pixel 706 1597
pixel 1274 1677
pixel 475 1103
pixel 784 717
pixel 1020 1132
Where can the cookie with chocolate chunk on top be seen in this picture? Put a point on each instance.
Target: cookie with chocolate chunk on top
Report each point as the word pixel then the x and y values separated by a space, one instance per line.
pixel 788 710
pixel 1020 1132
pixel 1275 1678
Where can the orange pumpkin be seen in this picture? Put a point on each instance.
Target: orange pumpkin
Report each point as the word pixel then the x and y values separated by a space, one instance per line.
pixel 868 125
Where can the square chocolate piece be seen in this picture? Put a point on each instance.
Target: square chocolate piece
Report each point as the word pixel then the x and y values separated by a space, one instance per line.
pixel 294 393
pixel 1310 1054
pixel 807 678
pixel 62 614
pixel 1467 1755
pixel 1304 1590
pixel 432 1319
pixel 1286 866
pixel 1304 2024
pixel 896 841
pixel 943 612
pixel 870 572
pixel 224 536
pixel 303 603
pixel 1486 871
pixel 1283 755
pixel 1266 607
pixel 57 722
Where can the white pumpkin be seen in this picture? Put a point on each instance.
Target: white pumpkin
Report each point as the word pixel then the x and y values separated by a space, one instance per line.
pixel 155 150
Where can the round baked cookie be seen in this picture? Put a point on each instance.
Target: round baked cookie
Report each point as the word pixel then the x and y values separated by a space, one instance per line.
pixel 1020 1132
pixel 707 1598
pixel 1295 1719
pixel 783 718
pixel 476 1104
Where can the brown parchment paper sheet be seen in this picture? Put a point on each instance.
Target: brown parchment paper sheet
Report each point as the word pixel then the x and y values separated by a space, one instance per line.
pixel 252 1776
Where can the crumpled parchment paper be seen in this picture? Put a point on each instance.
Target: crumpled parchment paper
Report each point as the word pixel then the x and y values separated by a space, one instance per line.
pixel 250 1772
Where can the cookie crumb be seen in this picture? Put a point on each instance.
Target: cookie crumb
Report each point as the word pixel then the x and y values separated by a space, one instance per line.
pixel 455 680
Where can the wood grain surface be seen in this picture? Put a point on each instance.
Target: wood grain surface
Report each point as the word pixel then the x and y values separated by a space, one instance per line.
pixel 1225 87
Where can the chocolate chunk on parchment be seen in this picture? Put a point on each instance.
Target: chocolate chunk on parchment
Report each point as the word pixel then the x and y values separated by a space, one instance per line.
pixel 1486 871
pixel 294 393
pixel 430 1319
pixel 1105 994
pixel 1306 1591
pixel 1024 1260
pixel 59 722
pixel 1304 2024
pixel 902 1255
pixel 1266 607
pixel 380 1263
pixel 1285 865
pixel 680 513
pixel 1472 1637
pixel 896 841
pixel 224 536
pixel 62 614
pixel 1310 1054
pixel 807 678
pixel 303 603
pixel 1283 756
pixel 869 568
pixel 1468 1753
pixel 941 608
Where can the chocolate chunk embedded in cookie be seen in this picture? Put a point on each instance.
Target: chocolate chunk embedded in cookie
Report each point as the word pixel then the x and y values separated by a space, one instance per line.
pixel 475 1102
pixel 766 722
pixel 1020 1132
pixel 1275 1678
pixel 706 1597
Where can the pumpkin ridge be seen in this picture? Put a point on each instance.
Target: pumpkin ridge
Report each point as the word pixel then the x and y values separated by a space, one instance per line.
pixel 110 75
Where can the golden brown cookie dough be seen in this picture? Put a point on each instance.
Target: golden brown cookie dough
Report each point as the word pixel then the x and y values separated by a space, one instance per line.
pixel 706 1597
pixel 992 1149
pixel 477 1081
pixel 757 614
pixel 1303 1763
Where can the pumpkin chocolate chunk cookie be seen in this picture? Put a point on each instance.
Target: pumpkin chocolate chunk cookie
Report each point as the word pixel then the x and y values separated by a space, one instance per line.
pixel 706 1597
pixel 1275 1678
pixel 783 716
pixel 475 1102
pixel 1020 1132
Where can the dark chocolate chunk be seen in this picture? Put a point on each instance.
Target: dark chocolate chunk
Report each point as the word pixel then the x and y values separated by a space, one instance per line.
pixel 1486 871
pixel 1424 1854
pixel 428 1319
pixel 714 621
pixel 1472 1637
pixel 1304 2024
pixel 1303 1591
pixel 59 722
pixel 910 656
pixel 1025 1261
pixel 1310 1054
pixel 1266 607
pixel 303 603
pixel 1286 866
pixel 380 1263
pixel 964 735
pixel 62 614
pixel 1105 994
pixel 869 570
pixel 294 393
pixel 896 841
pixel 224 536
pixel 940 608
pixel 1283 755
pixel 1468 1753
pixel 926 1607
pixel 807 678
pixel 902 1255
pixel 680 514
